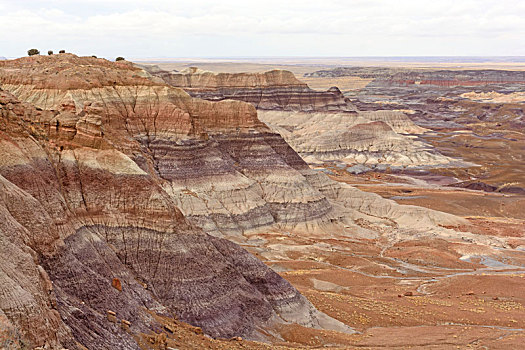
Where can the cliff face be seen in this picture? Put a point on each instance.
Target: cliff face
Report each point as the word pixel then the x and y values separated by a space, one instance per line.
pixel 104 175
pixel 128 96
pixel 273 90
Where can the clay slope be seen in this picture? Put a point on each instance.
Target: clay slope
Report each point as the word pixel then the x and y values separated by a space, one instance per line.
pixel 226 170
pixel 273 90
pixel 92 182
pixel 370 138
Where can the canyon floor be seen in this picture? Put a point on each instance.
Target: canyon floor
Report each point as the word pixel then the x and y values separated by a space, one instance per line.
pixel 424 293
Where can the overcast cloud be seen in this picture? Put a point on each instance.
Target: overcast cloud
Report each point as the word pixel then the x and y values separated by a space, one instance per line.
pixel 232 28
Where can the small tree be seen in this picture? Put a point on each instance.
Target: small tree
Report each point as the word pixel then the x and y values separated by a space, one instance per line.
pixel 33 52
pixel 120 59
pixel 94 56
pixel 62 51
pixel 50 52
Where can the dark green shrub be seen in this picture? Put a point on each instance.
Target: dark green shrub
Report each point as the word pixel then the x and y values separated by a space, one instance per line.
pixel 62 51
pixel 50 52
pixel 120 59
pixel 33 52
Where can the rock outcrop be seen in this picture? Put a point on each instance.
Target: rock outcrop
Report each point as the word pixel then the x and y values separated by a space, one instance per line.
pixel 226 170
pixel 94 166
pixel 273 90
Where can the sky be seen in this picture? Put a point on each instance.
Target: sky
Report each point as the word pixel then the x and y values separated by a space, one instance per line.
pixel 264 28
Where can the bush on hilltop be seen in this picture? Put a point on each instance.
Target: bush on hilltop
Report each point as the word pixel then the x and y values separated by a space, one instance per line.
pixel 120 59
pixel 33 52
pixel 50 52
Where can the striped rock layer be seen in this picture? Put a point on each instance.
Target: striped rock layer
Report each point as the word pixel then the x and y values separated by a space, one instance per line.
pixel 107 173
pixel 320 126
pixel 273 90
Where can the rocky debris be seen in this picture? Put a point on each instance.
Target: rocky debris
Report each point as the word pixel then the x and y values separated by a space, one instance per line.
pixel 160 341
pixel 272 90
pixel 197 330
pixel 115 283
pixel 112 316
pixel 124 324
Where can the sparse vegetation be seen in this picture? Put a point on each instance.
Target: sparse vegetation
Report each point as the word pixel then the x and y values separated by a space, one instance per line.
pixel 50 52
pixel 120 59
pixel 94 56
pixel 32 52
pixel 62 51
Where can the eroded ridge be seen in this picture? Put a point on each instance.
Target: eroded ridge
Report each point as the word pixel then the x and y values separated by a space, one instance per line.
pixel 91 214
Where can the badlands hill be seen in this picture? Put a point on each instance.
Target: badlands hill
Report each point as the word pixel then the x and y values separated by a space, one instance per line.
pixel 318 131
pixel 273 90
pixel 97 161
pixel 370 139
pixel 120 192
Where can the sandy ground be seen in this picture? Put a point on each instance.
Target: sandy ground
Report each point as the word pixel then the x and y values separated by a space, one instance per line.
pixel 420 294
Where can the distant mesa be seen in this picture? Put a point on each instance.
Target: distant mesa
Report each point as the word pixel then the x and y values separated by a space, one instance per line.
pixel 439 77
